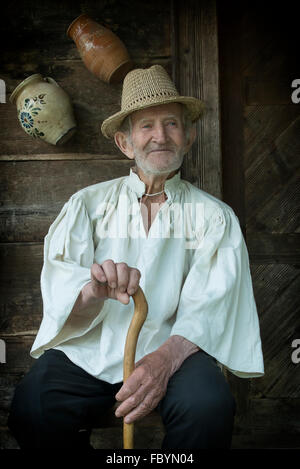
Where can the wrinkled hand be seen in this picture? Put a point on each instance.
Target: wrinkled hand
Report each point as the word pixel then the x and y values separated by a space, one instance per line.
pixel 108 280
pixel 147 384
pixel 114 280
pixel 145 387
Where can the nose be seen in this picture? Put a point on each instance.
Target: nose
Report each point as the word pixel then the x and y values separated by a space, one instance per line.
pixel 159 134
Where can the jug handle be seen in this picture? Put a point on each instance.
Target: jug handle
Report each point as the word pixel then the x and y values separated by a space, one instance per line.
pixel 51 80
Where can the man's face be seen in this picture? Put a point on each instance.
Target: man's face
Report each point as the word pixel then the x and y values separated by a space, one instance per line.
pixel 158 139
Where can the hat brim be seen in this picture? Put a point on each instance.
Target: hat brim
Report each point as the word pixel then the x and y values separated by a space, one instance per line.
pixel 113 123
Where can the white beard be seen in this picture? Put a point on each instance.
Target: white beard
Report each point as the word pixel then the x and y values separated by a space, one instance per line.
pixel 149 167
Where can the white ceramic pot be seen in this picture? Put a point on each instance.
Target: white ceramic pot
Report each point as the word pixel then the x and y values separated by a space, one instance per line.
pixel 44 109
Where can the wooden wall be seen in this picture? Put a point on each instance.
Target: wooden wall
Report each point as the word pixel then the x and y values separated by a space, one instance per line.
pixel 38 178
pixel 261 169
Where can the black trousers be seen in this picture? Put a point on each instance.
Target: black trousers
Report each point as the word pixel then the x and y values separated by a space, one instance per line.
pixel 56 400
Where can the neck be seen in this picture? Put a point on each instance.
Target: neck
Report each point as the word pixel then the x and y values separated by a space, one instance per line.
pixel 154 182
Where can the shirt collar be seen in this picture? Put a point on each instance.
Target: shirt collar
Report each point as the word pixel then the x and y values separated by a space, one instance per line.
pixel 171 187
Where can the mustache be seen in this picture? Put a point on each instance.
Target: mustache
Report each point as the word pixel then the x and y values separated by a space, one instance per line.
pixel 152 147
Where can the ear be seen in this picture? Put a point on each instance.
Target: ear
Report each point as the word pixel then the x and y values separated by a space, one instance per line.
pixel 123 143
pixel 191 138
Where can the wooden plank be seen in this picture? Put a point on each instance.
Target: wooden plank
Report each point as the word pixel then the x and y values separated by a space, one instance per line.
pixel 197 75
pixel 276 290
pixel 40 30
pixel 71 74
pixel 18 359
pixel 33 194
pixel 255 39
pixel 270 175
pixel 263 127
pixel 44 183
pixel 279 327
pixel 270 40
pixel 87 139
pixel 231 92
pixel 61 156
pixel 273 62
pixel 275 416
pixel 270 248
pixel 279 213
pixel 270 281
pixel 288 144
pixel 270 417
pixel 240 389
pixel 28 225
pixel 20 294
pixel 268 92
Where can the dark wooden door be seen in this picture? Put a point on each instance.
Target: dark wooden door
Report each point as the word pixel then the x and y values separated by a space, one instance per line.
pixel 259 61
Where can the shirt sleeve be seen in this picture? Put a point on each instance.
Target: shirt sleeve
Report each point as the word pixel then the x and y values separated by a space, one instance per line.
pixel 217 309
pixel 68 257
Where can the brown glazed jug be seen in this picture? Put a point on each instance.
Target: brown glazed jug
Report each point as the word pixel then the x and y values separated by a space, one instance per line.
pixel 103 53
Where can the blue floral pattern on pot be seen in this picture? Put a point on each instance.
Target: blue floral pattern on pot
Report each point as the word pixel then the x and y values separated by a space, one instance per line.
pixel 27 113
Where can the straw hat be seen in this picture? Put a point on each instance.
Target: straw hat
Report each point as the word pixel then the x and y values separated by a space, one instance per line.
pixel 144 88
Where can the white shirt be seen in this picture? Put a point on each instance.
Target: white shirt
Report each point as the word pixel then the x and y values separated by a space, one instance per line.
pixel 194 273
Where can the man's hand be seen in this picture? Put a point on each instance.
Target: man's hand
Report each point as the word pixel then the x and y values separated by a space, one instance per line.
pixel 108 280
pixel 147 385
pixel 114 280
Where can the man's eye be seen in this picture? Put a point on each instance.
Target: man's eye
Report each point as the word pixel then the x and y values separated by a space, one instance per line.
pixel 172 123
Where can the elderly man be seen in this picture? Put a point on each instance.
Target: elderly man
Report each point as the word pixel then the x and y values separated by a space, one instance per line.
pixel 185 249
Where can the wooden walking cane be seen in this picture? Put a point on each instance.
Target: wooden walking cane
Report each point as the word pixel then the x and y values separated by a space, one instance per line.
pixel 139 316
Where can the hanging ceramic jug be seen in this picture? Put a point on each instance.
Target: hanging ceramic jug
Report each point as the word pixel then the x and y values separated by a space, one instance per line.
pixel 44 109
pixel 102 52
